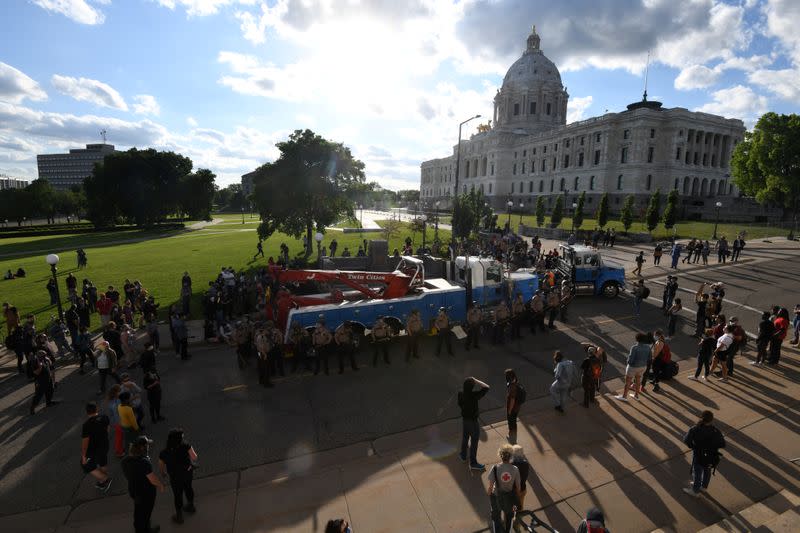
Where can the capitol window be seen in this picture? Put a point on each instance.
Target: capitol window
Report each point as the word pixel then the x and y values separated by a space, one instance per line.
pixel 678 154
pixel 649 181
pixel 566 143
pixel 523 167
pixel 580 159
pixel 533 108
pixel 624 155
pixel 514 172
pixel 541 186
pixel 650 152
pixel 626 134
pixel 530 186
pixel 552 183
pixel 548 108
pixel 619 182
pixel 534 150
pixel 566 160
pixel 516 109
pixel 577 182
pixel 524 153
pixel 597 137
pixel 544 149
pixel 591 183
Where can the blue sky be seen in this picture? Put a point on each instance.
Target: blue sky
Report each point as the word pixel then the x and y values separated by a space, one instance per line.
pixel 223 80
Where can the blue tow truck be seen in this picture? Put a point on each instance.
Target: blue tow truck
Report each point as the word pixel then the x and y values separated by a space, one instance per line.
pixel 589 273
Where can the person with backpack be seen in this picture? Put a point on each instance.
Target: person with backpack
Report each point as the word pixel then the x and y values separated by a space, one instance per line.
pixel 468 402
pixel 591 369
pixel 639 260
pixel 564 373
pixel 521 462
pixel 705 441
pixel 504 489
pixel 636 364
pixel 515 397
pixel 661 359
pixel 640 292
pixel 594 522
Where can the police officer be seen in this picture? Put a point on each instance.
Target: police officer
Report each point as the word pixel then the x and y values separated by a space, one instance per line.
pixel 344 345
pixel 500 318
pixel 263 344
pixel 275 354
pixel 299 339
pixel 517 316
pixel 473 325
pixel 442 325
pixel 566 297
pixel 537 311
pixel 242 338
pixel 553 305
pixel 321 339
pixel 414 330
pixel 381 333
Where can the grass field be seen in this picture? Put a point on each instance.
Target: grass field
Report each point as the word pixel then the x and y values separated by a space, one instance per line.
pixel 157 261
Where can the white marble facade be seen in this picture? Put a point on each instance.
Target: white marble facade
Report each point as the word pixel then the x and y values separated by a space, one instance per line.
pixel 529 150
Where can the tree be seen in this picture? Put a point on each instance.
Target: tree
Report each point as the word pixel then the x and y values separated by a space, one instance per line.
pixel 652 215
pixel 197 194
pixel 577 218
pixel 43 198
pixel 766 164
pixel 306 187
pixel 391 228
pixel 671 211
pixel 540 211
pixel 602 211
pixel 626 215
pixel 558 212
pixel 469 211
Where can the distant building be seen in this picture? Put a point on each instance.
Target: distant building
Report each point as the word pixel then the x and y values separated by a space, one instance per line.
pixel 63 171
pixel 529 151
pixel 8 182
pixel 247 183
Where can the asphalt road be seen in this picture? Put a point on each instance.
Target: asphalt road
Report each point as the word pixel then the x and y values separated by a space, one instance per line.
pixel 234 423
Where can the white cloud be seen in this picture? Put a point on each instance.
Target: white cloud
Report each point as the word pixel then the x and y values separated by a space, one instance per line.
pixel 785 82
pixel 145 104
pixel 576 108
pixel 200 8
pixel 737 102
pixel 81 11
pixel 782 22
pixel 88 90
pixel 15 86
pixel 191 121
pixel 696 77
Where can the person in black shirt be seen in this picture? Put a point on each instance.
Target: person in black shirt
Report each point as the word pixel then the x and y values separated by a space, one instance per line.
pixel 94 447
pixel 152 384
pixel 142 484
pixel 148 358
pixel 701 299
pixel 43 380
pixel 705 440
pixel 521 462
pixel 468 401
pixel 766 329
pixel 176 460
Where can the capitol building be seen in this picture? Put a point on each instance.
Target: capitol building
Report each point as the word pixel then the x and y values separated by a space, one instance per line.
pixel 528 150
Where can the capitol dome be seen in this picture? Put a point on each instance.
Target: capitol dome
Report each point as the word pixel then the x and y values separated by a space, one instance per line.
pixel 532 97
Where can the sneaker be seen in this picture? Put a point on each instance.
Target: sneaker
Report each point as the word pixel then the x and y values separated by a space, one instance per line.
pixel 477 466
pixel 559 409
pixel 463 458
pixel 636 397
pixel 705 378
pixel 753 362
pixel 692 376
pixel 621 398
pixel 690 491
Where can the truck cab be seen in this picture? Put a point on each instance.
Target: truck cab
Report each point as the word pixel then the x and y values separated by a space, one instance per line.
pixel 490 283
pixel 589 272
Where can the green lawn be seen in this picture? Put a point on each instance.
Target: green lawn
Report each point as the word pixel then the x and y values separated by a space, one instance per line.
pixel 158 262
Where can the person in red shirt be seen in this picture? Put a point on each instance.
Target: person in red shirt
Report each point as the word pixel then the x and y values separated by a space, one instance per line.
pixel 781 323
pixel 104 305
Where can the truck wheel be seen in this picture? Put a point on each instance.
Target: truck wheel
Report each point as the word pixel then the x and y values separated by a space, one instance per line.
pixel 610 289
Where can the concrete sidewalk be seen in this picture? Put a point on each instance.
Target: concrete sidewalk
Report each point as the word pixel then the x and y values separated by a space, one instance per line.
pixel 627 458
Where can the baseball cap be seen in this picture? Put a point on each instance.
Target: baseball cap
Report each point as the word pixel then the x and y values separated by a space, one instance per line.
pixel 143 440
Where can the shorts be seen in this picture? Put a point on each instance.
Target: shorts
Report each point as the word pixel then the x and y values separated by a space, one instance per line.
pixel 93 463
pixel 632 371
pixel 722 356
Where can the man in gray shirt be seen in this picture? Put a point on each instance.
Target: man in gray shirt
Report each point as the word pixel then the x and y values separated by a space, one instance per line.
pixel 637 362
pixel 504 489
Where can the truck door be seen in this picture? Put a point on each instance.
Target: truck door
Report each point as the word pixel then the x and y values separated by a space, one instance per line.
pixel 586 268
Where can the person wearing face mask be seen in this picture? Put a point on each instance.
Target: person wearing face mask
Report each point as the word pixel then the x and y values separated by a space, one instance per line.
pixel 142 484
pixel 339 525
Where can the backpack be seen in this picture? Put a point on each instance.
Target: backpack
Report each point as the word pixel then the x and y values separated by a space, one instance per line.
pixel 595 369
pixel 666 353
pixel 522 394
pixel 645 293
pixel 592 526
pixel 671 370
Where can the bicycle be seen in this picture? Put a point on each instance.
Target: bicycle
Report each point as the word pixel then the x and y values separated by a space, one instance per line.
pixel 532 525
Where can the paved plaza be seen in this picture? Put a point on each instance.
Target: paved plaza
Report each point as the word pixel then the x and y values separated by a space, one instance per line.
pixel 378 447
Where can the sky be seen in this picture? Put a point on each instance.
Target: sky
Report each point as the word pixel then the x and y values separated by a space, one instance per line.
pixel 222 81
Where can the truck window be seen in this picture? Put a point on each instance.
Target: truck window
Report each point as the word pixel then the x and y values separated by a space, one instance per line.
pixel 578 261
pixel 493 274
pixel 592 260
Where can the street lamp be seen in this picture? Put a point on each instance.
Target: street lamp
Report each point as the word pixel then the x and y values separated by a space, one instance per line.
pixel 717 205
pixel 509 204
pixel 521 207
pixel 318 237
pixel 361 211
pixel 574 210
pixel 52 260
pixel 242 214
pixel 436 222
pixel 423 218
pixel 455 189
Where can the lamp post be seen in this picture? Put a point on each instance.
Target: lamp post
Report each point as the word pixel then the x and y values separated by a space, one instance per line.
pixel 423 218
pixel 521 207
pixel 509 205
pixel 361 215
pixel 242 214
pixel 318 237
pixel 574 210
pixel 436 223
pixel 717 205
pixel 52 260
pixel 455 189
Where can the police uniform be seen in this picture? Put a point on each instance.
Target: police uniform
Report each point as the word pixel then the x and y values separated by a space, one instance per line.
pixel 413 329
pixel 380 341
pixel 442 324
pixel 517 316
pixel 537 312
pixel 344 346
pixel 500 319
pixel 473 326
pixel 322 340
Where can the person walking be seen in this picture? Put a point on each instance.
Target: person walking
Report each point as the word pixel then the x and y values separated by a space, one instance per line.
pixel 381 335
pixel 705 441
pixel 591 370
pixel 765 331
pixel 83 346
pixel 739 341
pixel 675 255
pixel 470 430
pixel 515 397
pixel 504 489
pixel 142 484
pixel 152 384
pixel 595 522
pixel 670 290
pixel 262 343
pixel 127 419
pixel 673 313
pixel 658 251
pixel 640 292
pixel 44 381
pixel 722 250
pixel 107 363
pixel 181 337
pixel 705 351
pixel 553 306
pixel 661 356
pixel 639 262
pixel 413 332
pixel 94 447
pixel 112 411
pixel 796 326
pixel 177 461
pixel 442 325
pixel 638 357
pixel 559 389
pixel 259 250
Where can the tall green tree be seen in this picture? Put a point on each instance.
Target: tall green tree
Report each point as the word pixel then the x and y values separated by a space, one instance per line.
pixel 197 194
pixel 540 211
pixel 470 211
pixel 653 211
pixel 626 215
pixel 766 164
pixel 558 212
pixel 577 217
pixel 306 188
pixel 602 211
pixel 671 211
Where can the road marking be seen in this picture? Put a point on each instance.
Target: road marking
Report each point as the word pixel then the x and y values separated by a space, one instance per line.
pixel 234 387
